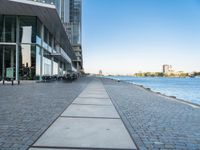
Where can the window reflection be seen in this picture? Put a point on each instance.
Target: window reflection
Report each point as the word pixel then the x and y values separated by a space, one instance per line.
pixel 28 29
pixel 26 34
pixel 55 67
pixel 46 63
pixel 26 55
pixel 38 61
pixel 27 58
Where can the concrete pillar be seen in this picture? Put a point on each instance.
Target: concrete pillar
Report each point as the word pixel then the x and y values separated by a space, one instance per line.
pixel 17 51
pixel 62 68
pixel 77 65
pixel 41 53
pixel 52 59
pixel 3 68
pixel 58 67
pixel 11 58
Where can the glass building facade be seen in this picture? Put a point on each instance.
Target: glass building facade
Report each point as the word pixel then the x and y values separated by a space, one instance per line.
pixel 73 27
pixel 27 46
pixel 70 12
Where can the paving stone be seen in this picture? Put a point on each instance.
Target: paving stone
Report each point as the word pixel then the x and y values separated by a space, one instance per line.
pixel 91 111
pixel 92 101
pixel 94 95
pixel 87 133
pixel 28 109
pixel 52 149
pixel 150 117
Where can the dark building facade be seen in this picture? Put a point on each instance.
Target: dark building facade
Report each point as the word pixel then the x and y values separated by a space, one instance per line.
pixel 33 41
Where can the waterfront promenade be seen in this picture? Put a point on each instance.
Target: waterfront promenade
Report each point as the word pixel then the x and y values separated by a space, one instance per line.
pixel 153 121
pixel 156 121
pixel 27 110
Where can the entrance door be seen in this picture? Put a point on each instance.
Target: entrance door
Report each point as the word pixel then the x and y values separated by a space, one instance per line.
pixel 7 62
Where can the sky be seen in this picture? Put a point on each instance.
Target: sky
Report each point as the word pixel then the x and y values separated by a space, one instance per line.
pixel 129 36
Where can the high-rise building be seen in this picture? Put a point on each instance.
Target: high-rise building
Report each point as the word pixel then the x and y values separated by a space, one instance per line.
pixel 100 72
pixel 167 69
pixel 70 12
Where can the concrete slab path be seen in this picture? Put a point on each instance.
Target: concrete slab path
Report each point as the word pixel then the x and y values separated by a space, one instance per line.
pixel 90 122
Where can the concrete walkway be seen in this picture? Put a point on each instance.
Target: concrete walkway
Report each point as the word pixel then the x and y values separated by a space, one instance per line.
pixel 90 122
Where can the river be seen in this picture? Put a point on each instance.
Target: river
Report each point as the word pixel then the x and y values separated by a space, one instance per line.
pixel 187 89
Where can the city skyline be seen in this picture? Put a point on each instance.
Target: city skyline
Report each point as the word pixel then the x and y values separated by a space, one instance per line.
pixel 132 36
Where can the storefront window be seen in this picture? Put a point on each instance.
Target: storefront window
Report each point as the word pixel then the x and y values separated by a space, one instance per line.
pixel 38 61
pixel 55 67
pixel 7 61
pixel 46 63
pixel 27 61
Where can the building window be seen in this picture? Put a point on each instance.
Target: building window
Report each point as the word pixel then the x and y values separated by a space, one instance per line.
pixel 39 32
pixel 27 29
pixel 1 28
pixel 38 62
pixel 55 67
pixel 27 61
pixel 7 54
pixel 46 38
pixel 46 63
pixel 10 29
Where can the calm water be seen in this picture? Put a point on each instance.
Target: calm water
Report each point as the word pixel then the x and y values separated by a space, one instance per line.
pixel 183 88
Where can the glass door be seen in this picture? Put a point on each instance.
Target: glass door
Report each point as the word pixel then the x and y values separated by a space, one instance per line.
pixel 7 62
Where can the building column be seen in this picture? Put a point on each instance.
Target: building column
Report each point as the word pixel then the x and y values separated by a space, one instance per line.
pixel 62 68
pixel 3 68
pixel 58 67
pixel 68 66
pixel 11 58
pixel 17 51
pixel 52 59
pixel 41 53
pixel 77 66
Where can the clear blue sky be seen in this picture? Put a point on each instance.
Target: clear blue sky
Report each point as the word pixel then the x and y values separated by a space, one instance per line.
pixel 127 36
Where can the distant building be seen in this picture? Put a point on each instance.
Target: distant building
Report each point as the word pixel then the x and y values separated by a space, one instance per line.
pixel 167 69
pixel 100 72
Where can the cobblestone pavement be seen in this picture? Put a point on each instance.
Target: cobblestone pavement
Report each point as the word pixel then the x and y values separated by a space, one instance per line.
pixel 28 109
pixel 155 121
